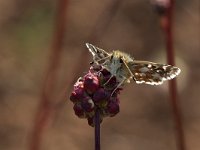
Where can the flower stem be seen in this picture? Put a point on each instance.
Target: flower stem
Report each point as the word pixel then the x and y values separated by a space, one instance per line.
pixel 97 129
pixel 167 24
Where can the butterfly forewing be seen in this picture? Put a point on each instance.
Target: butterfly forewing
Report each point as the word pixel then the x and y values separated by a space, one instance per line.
pixel 152 73
pixel 97 53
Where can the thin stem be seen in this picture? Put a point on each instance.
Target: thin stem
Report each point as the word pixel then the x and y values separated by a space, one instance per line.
pixel 97 130
pixel 167 24
pixel 46 106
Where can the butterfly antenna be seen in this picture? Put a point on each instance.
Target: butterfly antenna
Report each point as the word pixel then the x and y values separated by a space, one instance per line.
pixel 118 86
pixel 104 58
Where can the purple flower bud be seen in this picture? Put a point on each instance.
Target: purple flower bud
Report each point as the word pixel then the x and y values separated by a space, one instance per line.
pixel 160 6
pixel 77 95
pixel 78 92
pixel 91 121
pixel 88 105
pixel 79 111
pixel 100 96
pixel 113 108
pixel 105 72
pixel 95 68
pixel 111 83
pixel 108 81
pixel 79 83
pixel 91 83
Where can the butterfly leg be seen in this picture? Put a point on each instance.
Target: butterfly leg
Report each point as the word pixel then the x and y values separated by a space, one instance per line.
pixel 97 61
pixel 104 62
pixel 118 86
pixel 108 80
pixel 131 74
pixel 103 59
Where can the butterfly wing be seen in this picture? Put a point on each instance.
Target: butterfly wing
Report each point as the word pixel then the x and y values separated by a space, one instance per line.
pixel 152 73
pixel 97 53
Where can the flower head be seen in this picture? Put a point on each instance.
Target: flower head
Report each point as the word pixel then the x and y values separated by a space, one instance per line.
pixel 96 90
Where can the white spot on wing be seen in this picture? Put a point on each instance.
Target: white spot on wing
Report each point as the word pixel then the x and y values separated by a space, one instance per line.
pixel 165 67
pixel 149 66
pixel 178 71
pixel 151 83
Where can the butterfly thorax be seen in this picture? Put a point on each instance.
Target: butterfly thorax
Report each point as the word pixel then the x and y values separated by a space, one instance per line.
pixel 116 65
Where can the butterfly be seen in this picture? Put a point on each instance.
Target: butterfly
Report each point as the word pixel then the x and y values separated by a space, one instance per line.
pixel 125 68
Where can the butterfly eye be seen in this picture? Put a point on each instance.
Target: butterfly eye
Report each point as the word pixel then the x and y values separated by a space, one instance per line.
pixel 120 60
pixel 111 57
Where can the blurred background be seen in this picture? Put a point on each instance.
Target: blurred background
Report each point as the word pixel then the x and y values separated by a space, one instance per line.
pixel 28 49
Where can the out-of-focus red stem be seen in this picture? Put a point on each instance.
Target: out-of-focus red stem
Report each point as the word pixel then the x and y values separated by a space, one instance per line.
pixel 167 24
pixel 46 105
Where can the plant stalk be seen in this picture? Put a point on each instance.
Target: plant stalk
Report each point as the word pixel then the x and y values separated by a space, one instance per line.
pixel 97 130
pixel 167 26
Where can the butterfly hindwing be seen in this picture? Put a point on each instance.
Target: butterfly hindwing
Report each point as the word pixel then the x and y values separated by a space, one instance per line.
pixel 152 73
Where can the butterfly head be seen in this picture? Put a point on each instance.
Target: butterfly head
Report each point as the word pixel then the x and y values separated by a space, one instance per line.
pixel 120 58
pixel 116 57
pixel 116 61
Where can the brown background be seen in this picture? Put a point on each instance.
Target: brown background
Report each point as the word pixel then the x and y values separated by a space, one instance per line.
pixel 145 120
